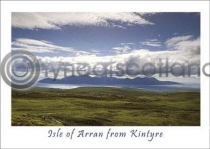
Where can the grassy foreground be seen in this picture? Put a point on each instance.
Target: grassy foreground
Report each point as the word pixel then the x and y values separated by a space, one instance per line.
pixel 94 106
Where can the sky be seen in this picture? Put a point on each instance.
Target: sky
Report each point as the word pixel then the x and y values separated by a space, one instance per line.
pixel 120 37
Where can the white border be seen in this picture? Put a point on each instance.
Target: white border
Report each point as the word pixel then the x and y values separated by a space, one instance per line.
pixel 36 137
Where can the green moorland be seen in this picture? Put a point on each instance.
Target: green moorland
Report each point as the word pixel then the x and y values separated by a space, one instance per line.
pixel 104 106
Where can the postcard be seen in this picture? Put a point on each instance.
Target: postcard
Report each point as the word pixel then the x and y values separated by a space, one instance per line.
pixel 109 74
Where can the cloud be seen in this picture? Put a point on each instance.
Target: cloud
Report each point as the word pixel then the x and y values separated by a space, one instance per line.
pixel 124 48
pixel 172 41
pixel 185 44
pixel 30 20
pixel 189 46
pixel 175 33
pixel 38 46
pixel 152 43
pixel 139 57
pixel 185 51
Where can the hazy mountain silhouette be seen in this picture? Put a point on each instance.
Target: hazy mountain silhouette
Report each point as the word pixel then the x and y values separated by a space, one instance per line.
pixel 106 81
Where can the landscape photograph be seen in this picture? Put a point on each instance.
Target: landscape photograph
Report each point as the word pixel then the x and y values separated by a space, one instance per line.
pixel 106 69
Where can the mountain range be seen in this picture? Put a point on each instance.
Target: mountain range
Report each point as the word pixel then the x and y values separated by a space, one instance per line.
pixel 106 81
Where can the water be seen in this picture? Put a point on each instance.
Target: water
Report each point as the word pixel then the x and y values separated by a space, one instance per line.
pixel 157 88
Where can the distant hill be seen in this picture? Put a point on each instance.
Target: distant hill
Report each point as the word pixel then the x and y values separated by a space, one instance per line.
pixel 106 81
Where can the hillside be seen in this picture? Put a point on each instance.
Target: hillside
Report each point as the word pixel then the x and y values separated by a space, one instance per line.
pixel 104 107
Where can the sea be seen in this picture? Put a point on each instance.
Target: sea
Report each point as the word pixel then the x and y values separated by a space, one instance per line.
pixel 156 88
